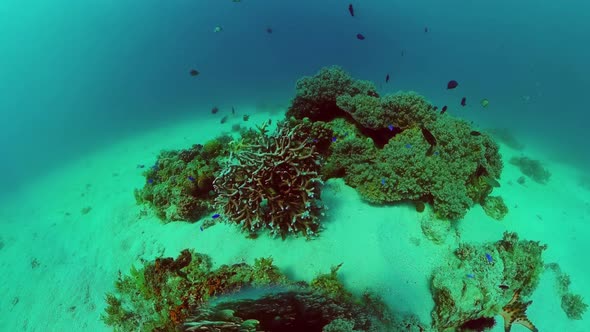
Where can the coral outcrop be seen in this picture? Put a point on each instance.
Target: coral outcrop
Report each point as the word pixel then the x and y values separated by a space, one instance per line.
pixel 273 183
pixel 481 281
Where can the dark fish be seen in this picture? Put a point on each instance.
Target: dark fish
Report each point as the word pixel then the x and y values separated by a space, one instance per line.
pixel 233 111
pixel 351 10
pixel 463 101
pixel 387 78
pixel 360 36
pixel 444 109
pixel 223 120
pixel 140 166
pixel 150 181
pixel 214 110
pixel 489 258
pixel 268 30
pixel 425 29
pixel 475 133
pixel 403 52
pixel 334 139
pixel 246 117
pixel 504 287
pixel 390 127
pixel 194 72
pixel 269 121
pixel 430 139
pixel 452 84
pixel 435 108
pixel 215 216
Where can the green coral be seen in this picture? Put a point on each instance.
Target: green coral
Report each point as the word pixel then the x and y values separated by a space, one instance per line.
pixel 465 287
pixel 316 95
pixel 573 305
pixel 179 185
pixel 449 179
pixel 495 207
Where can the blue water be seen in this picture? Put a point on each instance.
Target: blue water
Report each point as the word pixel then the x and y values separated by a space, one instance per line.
pixel 79 74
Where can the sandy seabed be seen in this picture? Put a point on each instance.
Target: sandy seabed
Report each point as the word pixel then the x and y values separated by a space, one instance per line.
pixel 65 238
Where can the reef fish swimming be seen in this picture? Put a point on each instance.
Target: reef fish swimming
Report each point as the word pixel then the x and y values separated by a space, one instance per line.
pixel 351 10
pixel 452 84
pixel 430 139
pixel 194 72
pixel 387 78
pixel 360 36
pixel 463 101
pixel 444 109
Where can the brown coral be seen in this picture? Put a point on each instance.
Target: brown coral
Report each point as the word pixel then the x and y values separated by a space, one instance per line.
pixel 272 184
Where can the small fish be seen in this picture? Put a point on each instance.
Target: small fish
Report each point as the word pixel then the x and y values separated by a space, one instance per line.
pixel 233 111
pixel 425 29
pixel 463 101
pixel 475 133
pixel 154 167
pixel 246 117
pixel 504 287
pixel 436 153
pixel 315 140
pixel 484 103
pixel 360 36
pixel 489 258
pixel 470 275
pixel 430 139
pixel 217 29
pixel 223 120
pixel 403 53
pixel 140 166
pixel 408 146
pixel 387 78
pixel 334 139
pixel 351 10
pixel 194 72
pixel 452 84
pixel 215 216
pixel 201 228
pixel 269 122
pixel 214 110
pixel 191 179
pixel 150 180
pixel 444 109
pixel 390 127
pixel 269 30
pixel 435 108
pixel 383 181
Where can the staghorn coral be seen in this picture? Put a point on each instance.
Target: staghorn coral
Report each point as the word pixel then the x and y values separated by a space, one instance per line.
pixel 466 287
pixel 316 95
pixel 272 184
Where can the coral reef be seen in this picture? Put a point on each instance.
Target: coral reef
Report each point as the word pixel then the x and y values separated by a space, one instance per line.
pixel 160 295
pixel 532 168
pixel 481 281
pixel 179 185
pixel 186 294
pixel 495 207
pixel 572 304
pixel 316 95
pixel 273 183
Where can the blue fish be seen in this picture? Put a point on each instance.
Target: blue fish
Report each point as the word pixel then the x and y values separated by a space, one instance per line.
pixel 191 178
pixel 215 216
pixel 334 139
pixel 409 146
pixel 315 140
pixel 383 181
pixel 150 180
pixel 470 275
pixel 436 153
pixel 390 127
pixel 201 228
pixel 154 167
pixel 489 258
pixel 140 166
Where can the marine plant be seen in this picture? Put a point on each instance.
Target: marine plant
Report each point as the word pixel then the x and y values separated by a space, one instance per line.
pixel 179 185
pixel 273 183
pixel 486 280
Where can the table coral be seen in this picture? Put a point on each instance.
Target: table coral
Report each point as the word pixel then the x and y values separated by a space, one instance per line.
pixel 273 184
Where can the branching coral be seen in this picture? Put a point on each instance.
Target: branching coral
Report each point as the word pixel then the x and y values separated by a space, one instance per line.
pixel 272 184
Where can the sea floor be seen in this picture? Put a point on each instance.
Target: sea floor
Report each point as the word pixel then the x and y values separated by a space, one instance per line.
pixel 65 238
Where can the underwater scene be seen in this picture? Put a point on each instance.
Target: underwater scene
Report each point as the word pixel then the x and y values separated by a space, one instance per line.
pixel 294 166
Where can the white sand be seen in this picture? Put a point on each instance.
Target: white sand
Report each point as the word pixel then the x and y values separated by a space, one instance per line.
pixel 382 248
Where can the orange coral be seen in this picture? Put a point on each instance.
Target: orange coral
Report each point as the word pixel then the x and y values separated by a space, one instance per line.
pixel 515 312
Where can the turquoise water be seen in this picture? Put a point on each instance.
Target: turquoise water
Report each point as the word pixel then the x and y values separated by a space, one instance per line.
pixel 80 76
